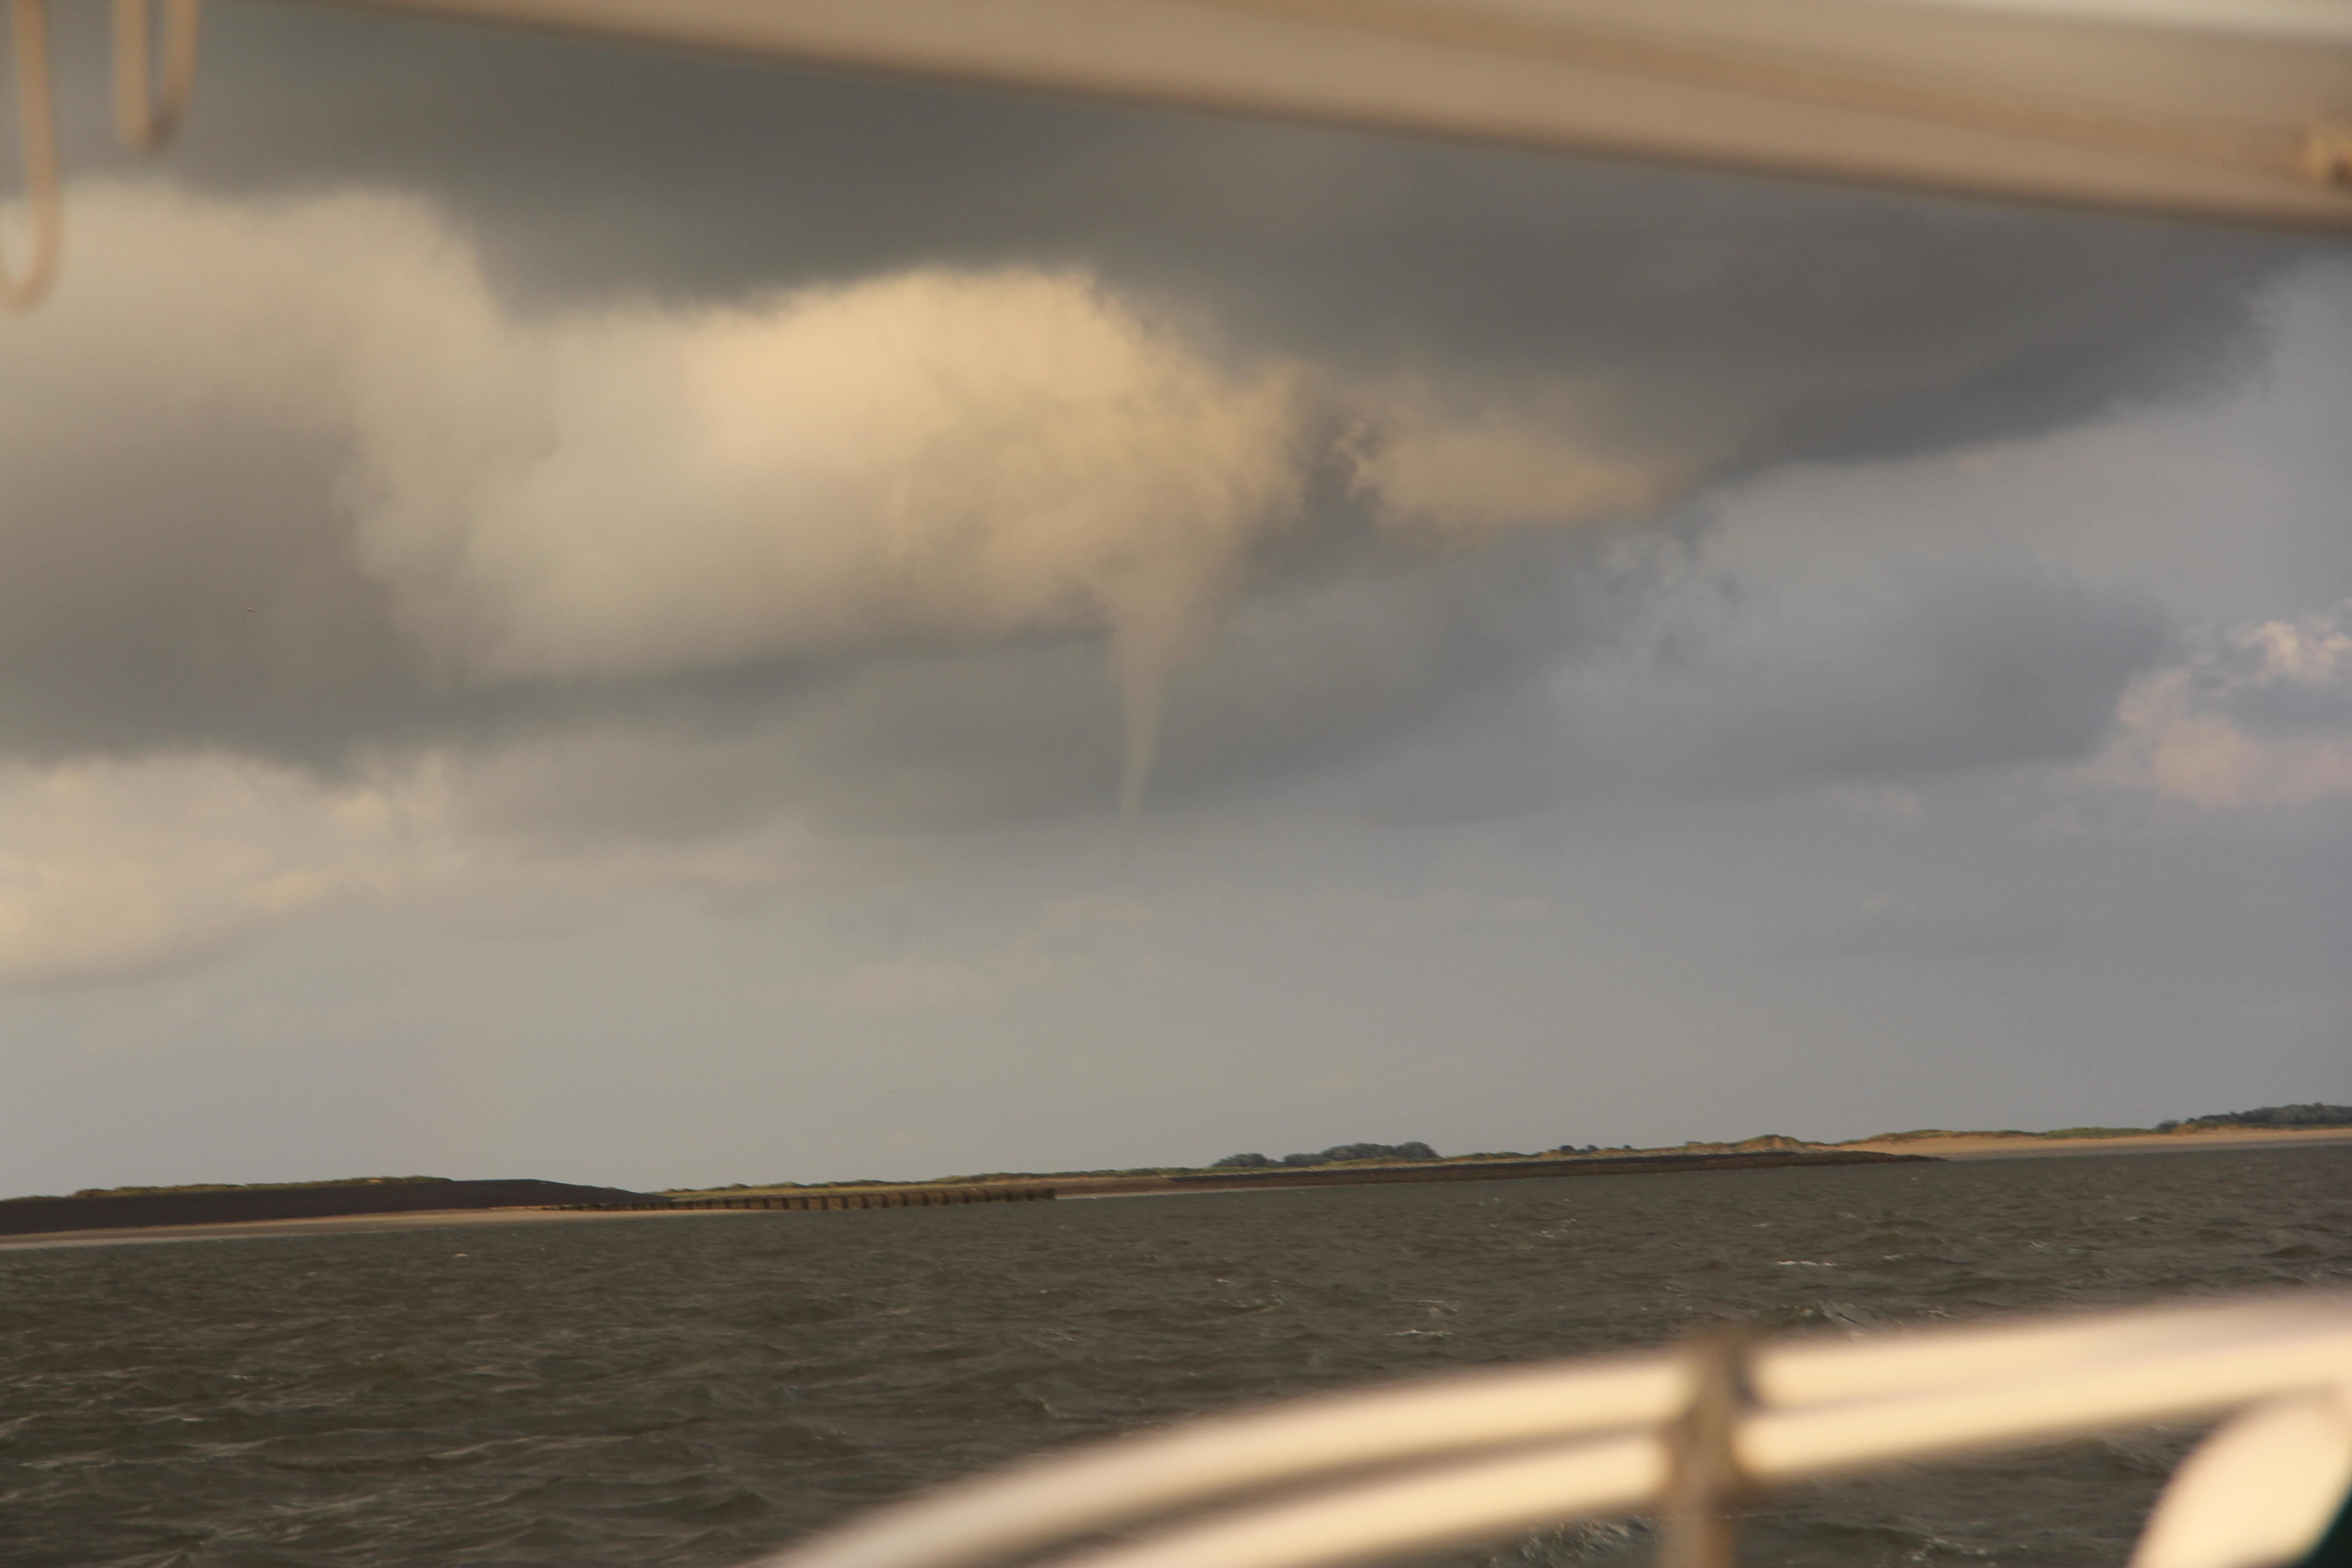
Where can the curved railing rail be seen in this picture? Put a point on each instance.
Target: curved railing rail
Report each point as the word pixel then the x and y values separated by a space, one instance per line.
pixel 1688 1433
pixel 2228 110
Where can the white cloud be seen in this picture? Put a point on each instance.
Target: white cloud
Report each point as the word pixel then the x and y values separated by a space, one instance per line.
pixel 933 454
pixel 927 461
pixel 907 465
pixel 878 475
pixel 2208 731
pixel 1467 476
pixel 112 869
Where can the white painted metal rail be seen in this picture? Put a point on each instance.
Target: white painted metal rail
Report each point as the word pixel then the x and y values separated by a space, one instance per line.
pixel 2235 110
pixel 1358 1477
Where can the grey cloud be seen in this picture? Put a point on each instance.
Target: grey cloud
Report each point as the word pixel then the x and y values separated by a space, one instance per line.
pixel 198 585
pixel 914 744
pixel 1288 685
pixel 178 578
pixel 1938 672
pixel 1961 669
pixel 1801 320
pixel 2283 711
pixel 1292 684
pixel 346 511
pixel 1901 932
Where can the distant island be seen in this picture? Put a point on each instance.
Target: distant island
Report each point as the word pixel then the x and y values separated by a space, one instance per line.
pixel 1368 1156
pixel 2298 1116
pixel 219 1203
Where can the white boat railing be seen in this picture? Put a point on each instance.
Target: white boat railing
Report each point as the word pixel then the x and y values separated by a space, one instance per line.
pixel 1691 1432
pixel 2228 111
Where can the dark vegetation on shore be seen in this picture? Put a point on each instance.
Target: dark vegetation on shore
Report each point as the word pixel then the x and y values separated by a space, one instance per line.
pixel 244 1186
pixel 1336 1154
pixel 1756 1155
pixel 2312 1115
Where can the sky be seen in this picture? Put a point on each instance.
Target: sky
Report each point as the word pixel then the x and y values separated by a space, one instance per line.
pixel 631 618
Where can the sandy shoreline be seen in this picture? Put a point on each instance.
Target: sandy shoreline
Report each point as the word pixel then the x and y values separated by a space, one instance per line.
pixel 340 1225
pixel 1962 1147
pixel 1994 1146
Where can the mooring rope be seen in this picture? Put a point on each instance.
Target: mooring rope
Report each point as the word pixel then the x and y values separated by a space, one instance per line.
pixel 149 105
pixel 36 148
pixel 146 111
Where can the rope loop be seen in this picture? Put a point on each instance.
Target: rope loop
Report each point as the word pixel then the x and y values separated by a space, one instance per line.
pixel 2327 153
pixel 147 111
pixel 37 154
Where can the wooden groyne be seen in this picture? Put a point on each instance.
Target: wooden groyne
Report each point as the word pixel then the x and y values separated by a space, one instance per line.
pixel 875 1198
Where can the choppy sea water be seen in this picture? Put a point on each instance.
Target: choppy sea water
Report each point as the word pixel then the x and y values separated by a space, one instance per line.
pixel 692 1391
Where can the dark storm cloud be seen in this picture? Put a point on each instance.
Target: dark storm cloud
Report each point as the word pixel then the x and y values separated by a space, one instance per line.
pixel 2285 710
pixel 1289 684
pixel 1810 320
pixel 197 591
pixel 1938 672
pixel 1959 669
pixel 199 585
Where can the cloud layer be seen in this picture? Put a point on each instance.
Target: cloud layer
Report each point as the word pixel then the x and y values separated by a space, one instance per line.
pixel 649 493
pixel 934 458
pixel 112 869
pixel 561 612
pixel 1811 320
pixel 925 459
pixel 313 500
